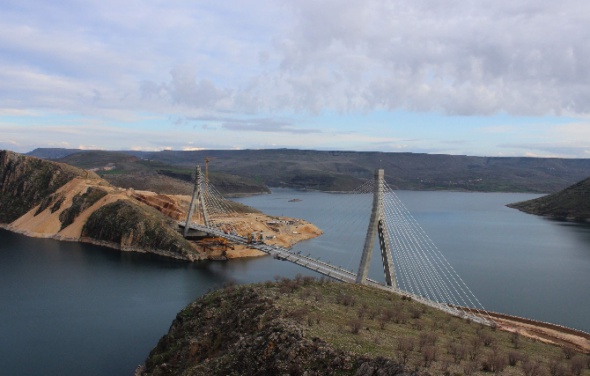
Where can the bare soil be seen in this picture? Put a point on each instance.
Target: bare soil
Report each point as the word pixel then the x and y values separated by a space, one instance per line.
pixel 544 332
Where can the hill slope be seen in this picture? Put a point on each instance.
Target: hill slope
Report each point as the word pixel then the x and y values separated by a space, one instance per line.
pixel 572 203
pixel 344 170
pixel 302 326
pixel 128 171
pixel 48 199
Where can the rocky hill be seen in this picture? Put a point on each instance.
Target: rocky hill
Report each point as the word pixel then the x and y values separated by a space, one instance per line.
pixel 572 203
pixel 307 327
pixel 345 170
pixel 43 198
pixel 49 199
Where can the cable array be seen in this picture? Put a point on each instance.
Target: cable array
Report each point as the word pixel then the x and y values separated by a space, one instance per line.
pixel 420 267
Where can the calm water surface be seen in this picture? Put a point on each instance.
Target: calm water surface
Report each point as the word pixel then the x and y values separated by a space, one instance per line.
pixel 71 309
pixel 514 262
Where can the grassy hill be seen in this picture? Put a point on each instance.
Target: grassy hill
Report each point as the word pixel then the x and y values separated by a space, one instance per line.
pixel 312 327
pixel 344 170
pixel 572 203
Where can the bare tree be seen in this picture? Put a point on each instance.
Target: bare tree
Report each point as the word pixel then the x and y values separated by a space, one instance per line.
pixel 513 358
pixel 470 368
pixel 428 355
pixel 457 350
pixel 568 352
pixel 494 362
pixel 557 368
pixel 531 367
pixel 426 339
pixel 355 325
pixel 404 347
pixel 577 365
pixel 474 349
pixel 515 339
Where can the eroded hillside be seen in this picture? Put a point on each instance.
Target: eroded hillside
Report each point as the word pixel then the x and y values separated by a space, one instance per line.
pixel 48 199
pixel 53 200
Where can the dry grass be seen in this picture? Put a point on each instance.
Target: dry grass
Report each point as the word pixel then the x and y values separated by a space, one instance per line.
pixel 377 323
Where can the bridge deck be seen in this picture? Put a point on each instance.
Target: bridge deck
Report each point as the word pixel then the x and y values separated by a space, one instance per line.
pixel 326 269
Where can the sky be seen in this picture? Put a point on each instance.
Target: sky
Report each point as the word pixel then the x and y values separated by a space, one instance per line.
pixel 474 77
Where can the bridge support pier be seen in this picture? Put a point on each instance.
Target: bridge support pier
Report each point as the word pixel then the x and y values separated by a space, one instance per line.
pixel 198 195
pixel 377 227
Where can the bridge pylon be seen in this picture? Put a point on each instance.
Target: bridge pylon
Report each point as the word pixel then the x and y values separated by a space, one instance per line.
pixel 198 196
pixel 377 227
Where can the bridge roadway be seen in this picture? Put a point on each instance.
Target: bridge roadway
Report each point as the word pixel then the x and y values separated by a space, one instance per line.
pixel 328 270
pixel 280 253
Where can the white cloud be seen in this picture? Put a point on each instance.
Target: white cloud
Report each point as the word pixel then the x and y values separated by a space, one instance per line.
pixel 461 58
pixel 258 59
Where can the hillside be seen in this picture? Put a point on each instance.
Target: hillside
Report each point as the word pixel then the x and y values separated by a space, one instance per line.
pixel 307 327
pixel 572 203
pixel 48 199
pixel 128 171
pixel 345 170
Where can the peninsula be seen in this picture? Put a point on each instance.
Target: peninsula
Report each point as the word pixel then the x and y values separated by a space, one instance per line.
pixel 571 204
pixel 48 199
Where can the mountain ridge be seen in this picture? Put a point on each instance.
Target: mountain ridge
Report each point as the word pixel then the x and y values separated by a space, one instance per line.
pixel 346 170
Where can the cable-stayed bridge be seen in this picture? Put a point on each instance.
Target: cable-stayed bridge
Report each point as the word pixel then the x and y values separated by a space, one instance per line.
pixel 412 264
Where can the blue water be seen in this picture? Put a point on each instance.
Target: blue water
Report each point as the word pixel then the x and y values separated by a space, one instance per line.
pixel 513 262
pixel 72 309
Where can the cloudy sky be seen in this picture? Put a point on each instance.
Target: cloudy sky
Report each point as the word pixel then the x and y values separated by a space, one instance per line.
pixel 476 77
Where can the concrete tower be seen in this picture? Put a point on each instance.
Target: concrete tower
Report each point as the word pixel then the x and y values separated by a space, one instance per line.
pixel 199 196
pixel 377 227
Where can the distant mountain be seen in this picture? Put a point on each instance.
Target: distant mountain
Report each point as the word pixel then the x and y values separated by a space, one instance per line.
pixel 130 169
pixel 345 170
pixel 51 153
pixel 572 203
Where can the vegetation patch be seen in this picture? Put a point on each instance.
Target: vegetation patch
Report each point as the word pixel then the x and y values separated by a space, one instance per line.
pixel 26 182
pixel 54 200
pixel 80 202
pixel 136 226
pixel 572 203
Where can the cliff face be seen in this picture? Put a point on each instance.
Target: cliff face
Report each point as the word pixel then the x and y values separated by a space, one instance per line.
pixel 48 199
pixel 572 203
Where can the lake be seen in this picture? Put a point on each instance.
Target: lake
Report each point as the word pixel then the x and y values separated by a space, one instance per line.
pixel 71 309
